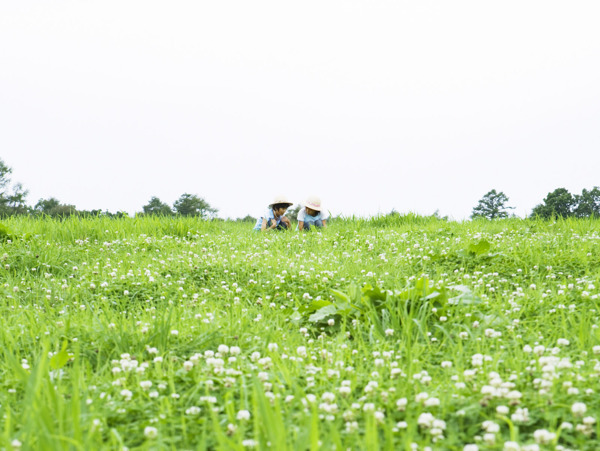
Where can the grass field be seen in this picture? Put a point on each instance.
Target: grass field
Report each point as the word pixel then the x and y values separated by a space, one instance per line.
pixel 391 333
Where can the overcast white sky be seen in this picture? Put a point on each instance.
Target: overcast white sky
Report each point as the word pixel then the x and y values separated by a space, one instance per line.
pixel 371 105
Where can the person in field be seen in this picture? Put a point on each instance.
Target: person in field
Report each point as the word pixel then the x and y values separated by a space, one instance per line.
pixel 312 215
pixel 274 218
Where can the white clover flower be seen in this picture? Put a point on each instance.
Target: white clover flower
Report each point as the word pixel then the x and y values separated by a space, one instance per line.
pixel 174 332
pixel 401 404
pixel 489 438
pixel 431 402
pixel 563 342
pixel 272 347
pixel 369 407
pixel 243 415
pixel 426 420
pixel 301 351
pixel 16 444
pixel 389 332
pixel 578 409
pixel 188 365
pixel 502 410
pixel 127 394
pixel 446 364
pixel 145 384
pixel 344 391
pixel 520 415
pixel 193 411
pixel 421 396
pixel 589 421
pixel 511 446
pixel 490 426
pixel 471 447
pixel 150 432
pixel 328 397
pixel 543 436
pixel 223 349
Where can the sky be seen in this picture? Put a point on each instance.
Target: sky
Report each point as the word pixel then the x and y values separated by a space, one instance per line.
pixel 372 106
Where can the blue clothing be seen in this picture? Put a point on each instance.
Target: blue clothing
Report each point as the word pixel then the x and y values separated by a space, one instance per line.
pixel 270 217
pixel 308 220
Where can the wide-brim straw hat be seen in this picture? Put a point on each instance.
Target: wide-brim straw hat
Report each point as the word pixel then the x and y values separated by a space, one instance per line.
pixel 314 203
pixel 280 200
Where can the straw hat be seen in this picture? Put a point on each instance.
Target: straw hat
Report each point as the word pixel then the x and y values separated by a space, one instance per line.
pixel 314 203
pixel 280 200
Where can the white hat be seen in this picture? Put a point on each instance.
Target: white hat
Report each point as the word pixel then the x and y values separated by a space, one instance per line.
pixel 280 200
pixel 314 203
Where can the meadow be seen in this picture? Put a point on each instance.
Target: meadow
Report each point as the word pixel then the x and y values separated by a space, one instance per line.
pixel 396 332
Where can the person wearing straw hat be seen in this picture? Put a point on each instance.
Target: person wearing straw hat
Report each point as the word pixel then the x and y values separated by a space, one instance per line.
pixel 274 218
pixel 312 214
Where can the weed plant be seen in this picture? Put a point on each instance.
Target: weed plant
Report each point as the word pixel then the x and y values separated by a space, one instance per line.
pixel 392 333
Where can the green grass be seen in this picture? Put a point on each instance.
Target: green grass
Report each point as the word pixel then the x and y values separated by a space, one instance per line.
pixel 155 333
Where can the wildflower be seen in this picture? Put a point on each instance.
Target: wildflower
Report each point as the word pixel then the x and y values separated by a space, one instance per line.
pixel 127 394
pixel 431 402
pixel 145 384
pixel 243 415
pixel 425 420
pixel 471 447
pixel 389 332
pixel 578 409
pixel 16 444
pixel 520 416
pixel 589 421
pixel 193 411
pixel 543 437
pixel 401 404
pixel 502 410
pixel 150 432
pixel 511 446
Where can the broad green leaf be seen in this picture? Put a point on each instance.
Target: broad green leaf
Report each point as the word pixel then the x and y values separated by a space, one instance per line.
pixel 61 358
pixel 480 248
pixel 323 313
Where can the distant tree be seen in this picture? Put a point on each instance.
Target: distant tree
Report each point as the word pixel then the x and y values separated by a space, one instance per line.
pixel 560 203
pixel 292 213
pixel 157 207
pixel 53 207
pixel 492 206
pixel 588 203
pixel 12 198
pixel 46 205
pixel 246 218
pixel 192 205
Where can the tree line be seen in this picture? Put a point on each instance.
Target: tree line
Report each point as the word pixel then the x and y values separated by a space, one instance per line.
pixel 560 203
pixel 13 201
